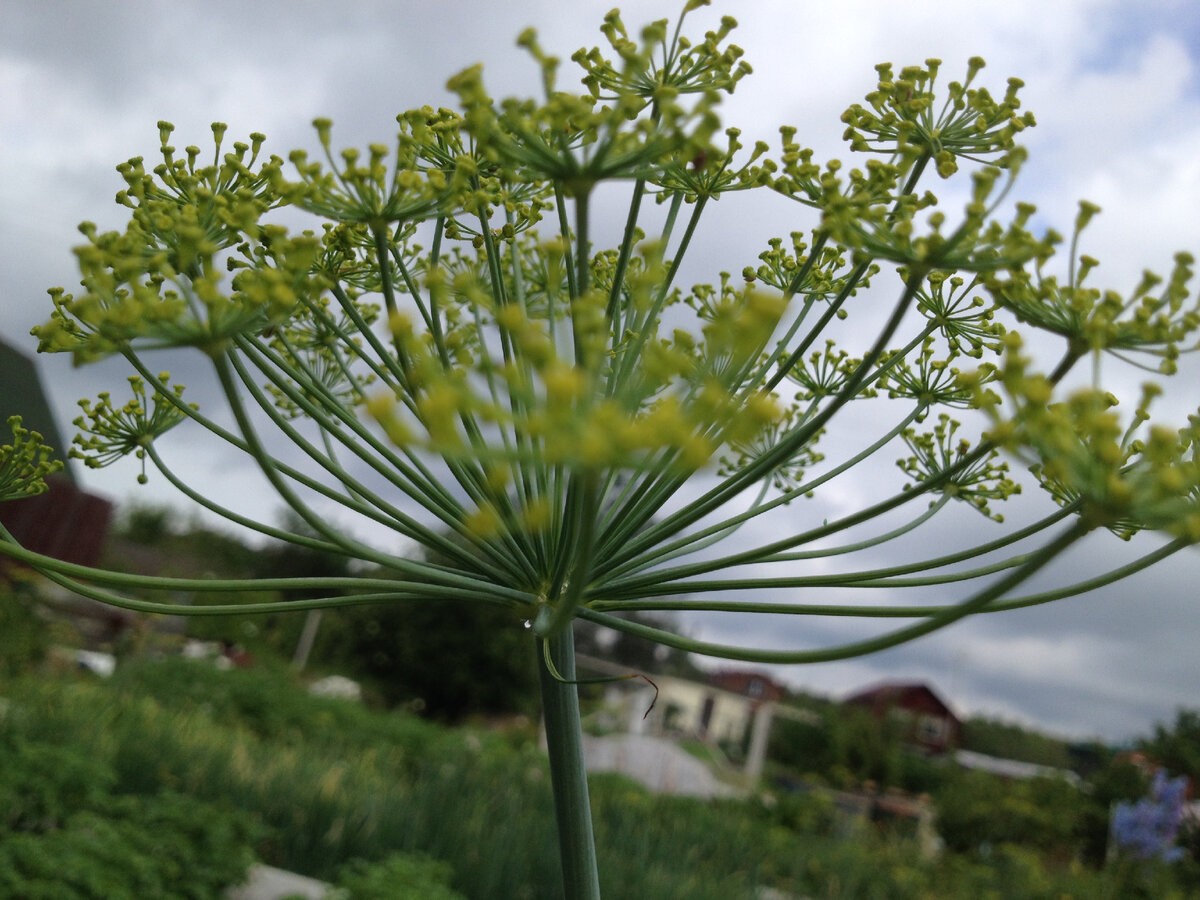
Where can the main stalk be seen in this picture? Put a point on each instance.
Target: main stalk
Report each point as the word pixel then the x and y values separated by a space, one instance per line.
pixel 568 774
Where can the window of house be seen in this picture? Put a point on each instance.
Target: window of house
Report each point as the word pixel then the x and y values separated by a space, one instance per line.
pixel 931 728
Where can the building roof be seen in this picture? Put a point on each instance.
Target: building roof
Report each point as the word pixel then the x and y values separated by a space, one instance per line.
pixel 755 685
pixel 902 694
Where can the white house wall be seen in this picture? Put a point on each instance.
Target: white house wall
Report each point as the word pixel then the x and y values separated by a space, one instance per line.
pixel 681 705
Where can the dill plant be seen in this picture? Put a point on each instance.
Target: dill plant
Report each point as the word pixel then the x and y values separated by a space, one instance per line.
pixel 572 432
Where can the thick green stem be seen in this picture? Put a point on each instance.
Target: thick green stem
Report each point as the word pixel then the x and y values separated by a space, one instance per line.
pixel 568 775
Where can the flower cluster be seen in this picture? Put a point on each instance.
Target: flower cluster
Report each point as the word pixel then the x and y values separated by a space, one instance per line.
pixel 904 118
pixel 659 68
pixel 789 474
pixel 183 208
pixel 318 349
pixel 934 455
pixel 431 170
pixel 680 402
pixel 819 272
pixel 578 140
pixel 1147 829
pixel 108 433
pixel 159 283
pixel 1155 319
pixel 25 463
pixel 965 320
pixel 1125 478
pixel 930 381
pixel 824 373
pixel 871 212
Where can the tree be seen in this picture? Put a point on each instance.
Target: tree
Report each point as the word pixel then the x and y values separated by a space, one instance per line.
pixel 281 560
pixel 1009 741
pixel 1177 748
pixel 181 546
pixel 638 653
pixel 449 660
pixel 451 354
pixel 146 525
pixel 1117 781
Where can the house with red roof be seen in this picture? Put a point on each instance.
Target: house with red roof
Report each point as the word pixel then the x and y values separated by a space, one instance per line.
pixel 927 722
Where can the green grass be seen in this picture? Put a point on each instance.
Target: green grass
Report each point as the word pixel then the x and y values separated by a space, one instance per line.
pixel 327 782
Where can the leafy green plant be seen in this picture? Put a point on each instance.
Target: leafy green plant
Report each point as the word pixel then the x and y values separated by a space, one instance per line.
pixel 574 433
pixel 399 877
pixel 131 847
pixel 268 704
pixel 41 785
pixel 66 831
pixel 367 786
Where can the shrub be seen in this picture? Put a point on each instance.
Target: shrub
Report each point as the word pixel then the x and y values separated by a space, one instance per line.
pixel 131 847
pixel 40 786
pixel 978 811
pixel 398 877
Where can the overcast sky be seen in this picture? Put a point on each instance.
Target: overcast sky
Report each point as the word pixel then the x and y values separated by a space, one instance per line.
pixel 1114 86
